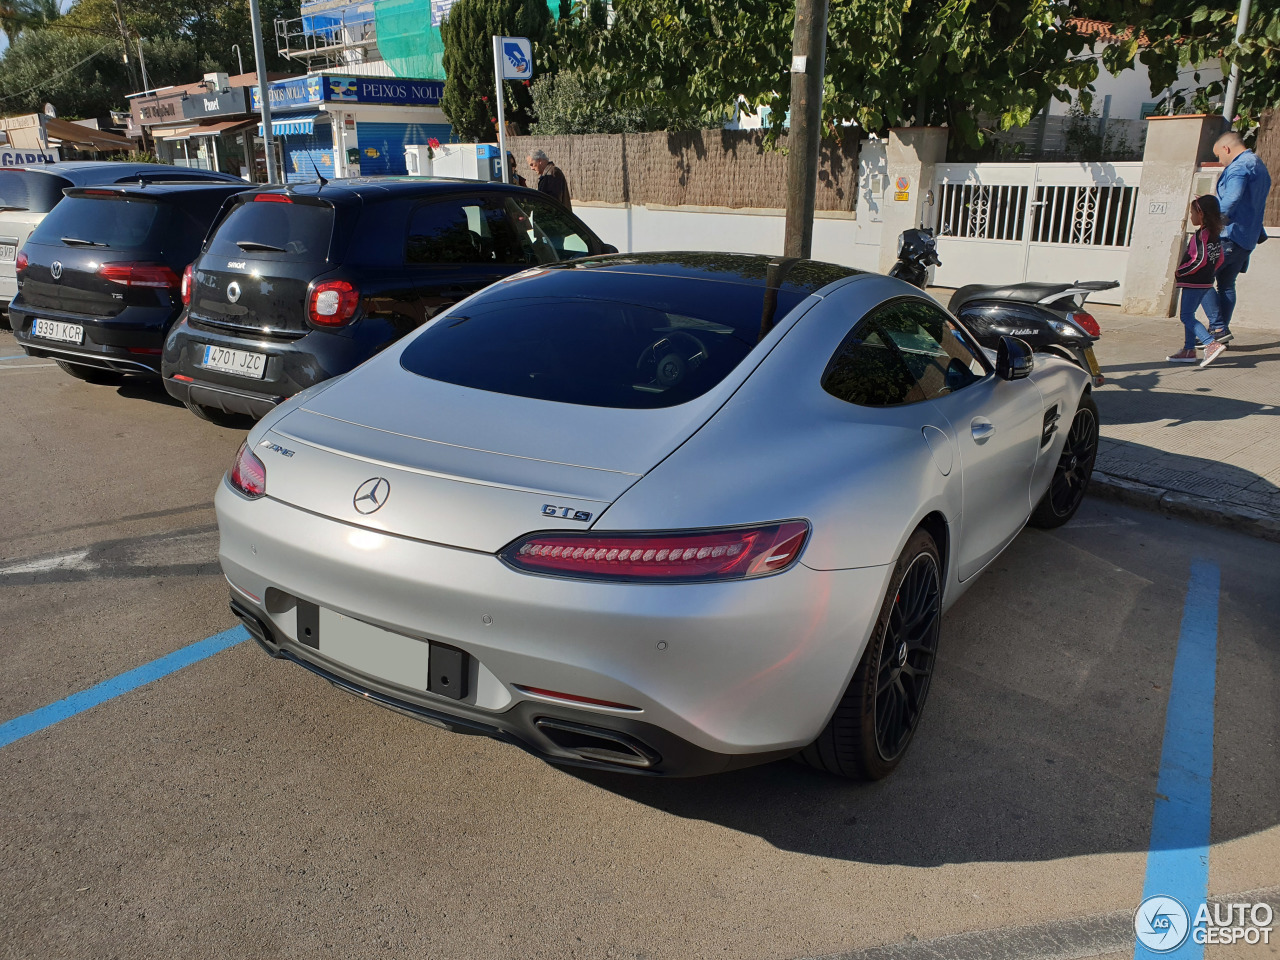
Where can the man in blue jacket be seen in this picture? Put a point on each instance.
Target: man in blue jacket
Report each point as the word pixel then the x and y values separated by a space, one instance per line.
pixel 1242 193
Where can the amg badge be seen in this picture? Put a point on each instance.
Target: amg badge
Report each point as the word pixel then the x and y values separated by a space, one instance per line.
pixel 565 513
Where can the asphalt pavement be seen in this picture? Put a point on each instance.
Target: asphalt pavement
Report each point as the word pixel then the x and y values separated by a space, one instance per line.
pixel 240 806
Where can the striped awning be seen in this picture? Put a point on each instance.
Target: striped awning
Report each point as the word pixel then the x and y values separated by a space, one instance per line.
pixel 285 126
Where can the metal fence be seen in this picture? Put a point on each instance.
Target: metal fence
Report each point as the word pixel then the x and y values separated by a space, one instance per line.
pixel 1075 215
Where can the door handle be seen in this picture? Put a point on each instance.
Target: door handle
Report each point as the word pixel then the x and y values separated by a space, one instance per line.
pixel 982 428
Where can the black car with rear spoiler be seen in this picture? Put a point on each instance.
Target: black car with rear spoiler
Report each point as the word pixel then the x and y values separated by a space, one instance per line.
pixel 99 280
pixel 301 283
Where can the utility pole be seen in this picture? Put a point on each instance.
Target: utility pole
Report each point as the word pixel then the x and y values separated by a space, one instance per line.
pixel 142 62
pixel 1233 83
pixel 124 44
pixel 808 67
pixel 501 104
pixel 264 91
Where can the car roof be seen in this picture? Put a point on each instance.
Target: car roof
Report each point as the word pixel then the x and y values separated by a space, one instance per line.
pixel 372 189
pixel 794 275
pixel 90 172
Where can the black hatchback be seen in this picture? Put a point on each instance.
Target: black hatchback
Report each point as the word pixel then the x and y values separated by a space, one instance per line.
pixel 302 283
pixel 99 280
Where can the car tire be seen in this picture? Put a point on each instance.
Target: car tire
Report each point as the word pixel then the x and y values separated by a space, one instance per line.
pixel 876 719
pixel 216 416
pixel 91 374
pixel 1075 468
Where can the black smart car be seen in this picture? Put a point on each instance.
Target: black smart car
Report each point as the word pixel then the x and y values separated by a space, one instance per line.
pixel 99 279
pixel 302 283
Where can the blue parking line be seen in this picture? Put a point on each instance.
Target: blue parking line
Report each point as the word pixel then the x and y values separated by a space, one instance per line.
pixel 19 356
pixel 38 720
pixel 1178 857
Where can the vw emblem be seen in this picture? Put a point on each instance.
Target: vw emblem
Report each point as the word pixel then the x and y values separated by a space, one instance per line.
pixel 233 291
pixel 371 495
pixel 55 268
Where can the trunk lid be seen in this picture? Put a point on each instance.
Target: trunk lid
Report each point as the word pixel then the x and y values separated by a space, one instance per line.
pixel 465 467
pixel 260 261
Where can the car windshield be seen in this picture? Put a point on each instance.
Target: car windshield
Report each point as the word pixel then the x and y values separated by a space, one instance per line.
pixel 275 231
pixel 598 350
pixel 116 224
pixel 28 190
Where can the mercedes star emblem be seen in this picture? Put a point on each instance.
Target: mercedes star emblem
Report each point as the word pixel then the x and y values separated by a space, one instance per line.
pixel 233 291
pixel 371 495
pixel 55 268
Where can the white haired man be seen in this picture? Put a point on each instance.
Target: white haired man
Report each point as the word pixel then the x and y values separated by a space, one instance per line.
pixel 1242 193
pixel 551 179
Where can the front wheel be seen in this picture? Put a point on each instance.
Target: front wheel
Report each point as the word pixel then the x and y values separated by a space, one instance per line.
pixel 1075 468
pixel 91 374
pixel 867 737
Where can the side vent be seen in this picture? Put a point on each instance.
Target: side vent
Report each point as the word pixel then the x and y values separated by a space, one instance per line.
pixel 1051 418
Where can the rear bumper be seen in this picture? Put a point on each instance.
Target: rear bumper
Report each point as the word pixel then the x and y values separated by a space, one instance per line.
pixel 124 344
pixel 718 675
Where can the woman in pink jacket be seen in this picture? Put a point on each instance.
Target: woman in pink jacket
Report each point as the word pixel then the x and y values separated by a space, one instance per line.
pixel 1194 276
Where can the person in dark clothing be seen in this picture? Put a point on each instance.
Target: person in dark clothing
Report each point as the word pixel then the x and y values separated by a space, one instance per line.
pixel 551 180
pixel 514 177
pixel 1194 276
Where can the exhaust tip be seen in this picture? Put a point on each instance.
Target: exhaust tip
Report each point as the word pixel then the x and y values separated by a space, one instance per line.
pixel 597 743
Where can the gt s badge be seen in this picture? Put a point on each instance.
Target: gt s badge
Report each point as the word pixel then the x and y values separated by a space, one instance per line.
pixel 565 513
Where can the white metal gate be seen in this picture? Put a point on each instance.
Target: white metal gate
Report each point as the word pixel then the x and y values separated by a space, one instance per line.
pixel 1010 222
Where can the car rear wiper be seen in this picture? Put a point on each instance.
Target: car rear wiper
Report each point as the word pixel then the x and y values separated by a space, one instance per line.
pixel 77 242
pixel 255 245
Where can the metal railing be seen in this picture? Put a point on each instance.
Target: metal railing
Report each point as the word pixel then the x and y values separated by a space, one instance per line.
pixel 327 41
pixel 1071 215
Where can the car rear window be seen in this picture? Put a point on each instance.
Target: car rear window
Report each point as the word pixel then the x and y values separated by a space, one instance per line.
pixel 30 191
pixel 275 231
pixel 116 224
pixel 635 353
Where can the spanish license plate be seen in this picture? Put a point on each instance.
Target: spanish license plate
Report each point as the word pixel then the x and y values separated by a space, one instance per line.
pixel 57 330
pixel 1092 361
pixel 8 252
pixel 239 363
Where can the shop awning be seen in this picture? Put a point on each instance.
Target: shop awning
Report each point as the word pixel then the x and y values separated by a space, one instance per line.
pixel 83 136
pixel 295 125
pixel 224 126
pixel 178 133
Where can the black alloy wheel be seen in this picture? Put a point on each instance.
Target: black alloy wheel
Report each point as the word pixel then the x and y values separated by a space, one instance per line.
pixel 906 657
pixel 1074 470
pixel 876 718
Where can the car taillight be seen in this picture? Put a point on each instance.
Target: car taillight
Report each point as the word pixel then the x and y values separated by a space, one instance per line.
pixel 736 553
pixel 21 263
pixel 130 274
pixel 248 473
pixel 1086 323
pixel 332 303
pixel 186 285
pixel 272 198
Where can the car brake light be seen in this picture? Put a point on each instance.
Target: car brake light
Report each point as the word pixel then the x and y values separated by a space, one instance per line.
pixel 332 303
pixel 573 698
pixel 100 193
pixel 272 198
pixel 735 553
pixel 141 275
pixel 1086 323
pixel 21 263
pixel 248 473
pixel 186 285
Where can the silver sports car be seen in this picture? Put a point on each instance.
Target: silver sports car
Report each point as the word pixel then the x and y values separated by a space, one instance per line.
pixel 668 513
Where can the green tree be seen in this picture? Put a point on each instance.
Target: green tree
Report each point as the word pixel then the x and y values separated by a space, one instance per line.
pixel 1169 36
pixel 959 62
pixel 469 93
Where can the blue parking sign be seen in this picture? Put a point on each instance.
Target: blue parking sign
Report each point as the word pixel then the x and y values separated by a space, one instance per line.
pixel 517 58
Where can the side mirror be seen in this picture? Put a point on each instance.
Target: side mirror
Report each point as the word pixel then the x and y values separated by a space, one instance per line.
pixel 608 248
pixel 1014 359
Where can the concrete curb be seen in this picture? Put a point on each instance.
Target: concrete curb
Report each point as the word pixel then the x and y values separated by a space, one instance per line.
pixel 1232 516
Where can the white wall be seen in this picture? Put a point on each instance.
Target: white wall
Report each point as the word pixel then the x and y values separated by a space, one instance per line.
pixel 635 229
pixel 1132 89
pixel 1258 289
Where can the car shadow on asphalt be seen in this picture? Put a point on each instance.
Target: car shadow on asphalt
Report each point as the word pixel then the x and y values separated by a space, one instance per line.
pixel 146 388
pixel 1041 740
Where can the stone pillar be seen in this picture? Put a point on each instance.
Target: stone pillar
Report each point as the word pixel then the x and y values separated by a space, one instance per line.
pixel 1175 147
pixel 911 153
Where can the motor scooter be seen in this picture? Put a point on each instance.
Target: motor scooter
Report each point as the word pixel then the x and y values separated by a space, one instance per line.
pixel 1050 317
